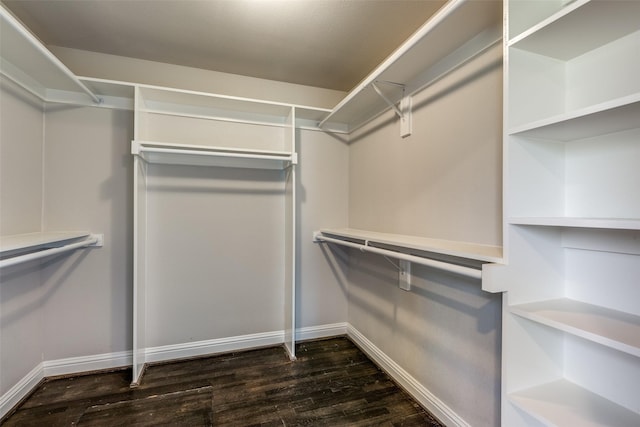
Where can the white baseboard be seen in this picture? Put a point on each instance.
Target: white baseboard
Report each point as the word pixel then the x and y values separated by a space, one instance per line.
pixel 20 390
pixel 97 362
pixel 215 346
pixel 419 392
pixel 242 342
pixel 322 331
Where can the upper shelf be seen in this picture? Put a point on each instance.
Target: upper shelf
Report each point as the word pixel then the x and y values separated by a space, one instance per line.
pixel 197 155
pixel 472 251
pixel 457 32
pixel 28 63
pixel 570 32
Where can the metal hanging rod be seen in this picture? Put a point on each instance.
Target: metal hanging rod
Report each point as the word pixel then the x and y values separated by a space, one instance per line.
pixel 92 240
pixel 440 265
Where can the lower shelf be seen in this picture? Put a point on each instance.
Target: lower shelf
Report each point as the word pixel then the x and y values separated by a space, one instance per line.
pixel 563 403
pixel 615 329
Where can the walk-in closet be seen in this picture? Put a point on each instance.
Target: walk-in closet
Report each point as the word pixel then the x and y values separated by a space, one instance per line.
pixel 464 215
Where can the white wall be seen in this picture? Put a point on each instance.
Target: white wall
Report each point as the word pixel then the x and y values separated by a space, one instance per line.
pixel 88 186
pixel 444 181
pixel 323 193
pixel 21 296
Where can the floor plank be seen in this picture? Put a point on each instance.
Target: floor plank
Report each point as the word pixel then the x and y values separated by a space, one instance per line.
pixel 331 384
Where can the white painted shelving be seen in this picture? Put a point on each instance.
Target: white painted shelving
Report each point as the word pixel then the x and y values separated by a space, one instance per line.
pixel 458 32
pixel 471 251
pixel 28 63
pixel 20 248
pixel 179 127
pixel 571 321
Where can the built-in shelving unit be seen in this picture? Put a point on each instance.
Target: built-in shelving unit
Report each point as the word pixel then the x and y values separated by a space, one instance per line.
pixel 176 127
pixel 571 323
pixel 29 64
pixel 458 32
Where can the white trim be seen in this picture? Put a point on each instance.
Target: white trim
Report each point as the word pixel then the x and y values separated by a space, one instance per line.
pixel 418 391
pixel 218 345
pixel 21 390
pixel 73 365
pixel 321 331
pixel 96 362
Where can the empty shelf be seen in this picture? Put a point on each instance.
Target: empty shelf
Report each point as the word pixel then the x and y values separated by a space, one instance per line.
pixel 18 249
pixel 579 222
pixel 466 250
pixel 32 241
pixel 458 31
pixel 570 32
pixel 601 119
pixel 28 63
pixel 194 155
pixel 615 329
pixel 562 403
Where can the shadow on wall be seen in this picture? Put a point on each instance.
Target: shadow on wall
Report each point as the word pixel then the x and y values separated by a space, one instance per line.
pixel 13 286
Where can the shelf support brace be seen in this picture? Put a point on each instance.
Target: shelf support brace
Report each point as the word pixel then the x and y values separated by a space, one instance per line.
pixel 403 113
pixel 389 103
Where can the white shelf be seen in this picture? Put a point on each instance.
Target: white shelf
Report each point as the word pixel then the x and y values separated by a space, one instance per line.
pixel 608 117
pixel 458 31
pixel 466 250
pixel 562 403
pixel 615 329
pixel 196 155
pixel 161 100
pixel 574 222
pixel 33 241
pixel 579 28
pixel 28 63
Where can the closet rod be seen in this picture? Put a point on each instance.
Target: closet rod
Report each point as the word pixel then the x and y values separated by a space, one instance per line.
pixel 441 265
pixel 92 240
pixel 44 51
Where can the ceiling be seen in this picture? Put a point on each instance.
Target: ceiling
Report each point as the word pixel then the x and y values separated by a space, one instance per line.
pixel 331 44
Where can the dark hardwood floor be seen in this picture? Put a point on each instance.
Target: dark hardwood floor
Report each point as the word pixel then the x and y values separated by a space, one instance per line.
pixel 331 384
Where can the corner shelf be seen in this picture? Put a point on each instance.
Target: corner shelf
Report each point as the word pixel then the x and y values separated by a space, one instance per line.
pixel 563 403
pixel 458 32
pixel 195 155
pixel 29 64
pixel 611 328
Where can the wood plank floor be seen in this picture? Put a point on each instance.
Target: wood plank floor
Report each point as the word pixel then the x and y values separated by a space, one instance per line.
pixel 331 384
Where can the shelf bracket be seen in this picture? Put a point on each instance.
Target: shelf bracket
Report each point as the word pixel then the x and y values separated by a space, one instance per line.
pixel 389 103
pixel 404 275
pixel 403 113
